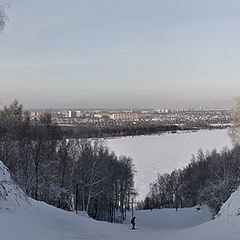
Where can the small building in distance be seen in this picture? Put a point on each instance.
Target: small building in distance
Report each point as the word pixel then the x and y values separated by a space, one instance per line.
pixel 78 114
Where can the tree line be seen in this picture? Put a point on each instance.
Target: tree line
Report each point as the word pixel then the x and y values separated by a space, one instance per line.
pixel 78 174
pixel 209 178
pixel 89 131
pixel 116 130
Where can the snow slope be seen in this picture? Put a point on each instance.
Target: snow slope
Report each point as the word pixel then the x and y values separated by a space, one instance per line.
pixel 170 219
pixel 11 196
pixel 43 222
pixel 231 208
pixel 27 219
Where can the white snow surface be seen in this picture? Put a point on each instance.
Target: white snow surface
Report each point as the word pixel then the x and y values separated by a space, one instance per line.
pixel 11 196
pixel 40 221
pixel 170 218
pixel 43 222
pixel 231 208
pixel 163 153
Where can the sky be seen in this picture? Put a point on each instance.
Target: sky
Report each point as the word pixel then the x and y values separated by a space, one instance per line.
pixel 121 53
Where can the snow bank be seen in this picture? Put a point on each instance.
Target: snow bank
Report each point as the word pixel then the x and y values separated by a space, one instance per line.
pixel 11 196
pixel 231 207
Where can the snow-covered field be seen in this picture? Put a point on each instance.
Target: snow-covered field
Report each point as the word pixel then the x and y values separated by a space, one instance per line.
pixel 166 152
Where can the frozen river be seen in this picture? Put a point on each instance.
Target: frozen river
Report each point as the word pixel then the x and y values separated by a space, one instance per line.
pixel 164 153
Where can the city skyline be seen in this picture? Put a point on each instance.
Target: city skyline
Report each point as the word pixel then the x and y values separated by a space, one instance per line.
pixel 120 54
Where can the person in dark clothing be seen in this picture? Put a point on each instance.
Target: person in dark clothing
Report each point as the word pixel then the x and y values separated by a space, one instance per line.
pixel 133 222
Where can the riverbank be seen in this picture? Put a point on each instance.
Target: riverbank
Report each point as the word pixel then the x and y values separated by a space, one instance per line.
pixel 78 131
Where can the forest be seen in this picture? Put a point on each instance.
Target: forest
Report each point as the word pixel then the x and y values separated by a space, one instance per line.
pixel 209 178
pixel 116 130
pixel 72 174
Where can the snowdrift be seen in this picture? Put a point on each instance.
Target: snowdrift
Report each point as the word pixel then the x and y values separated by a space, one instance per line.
pixel 11 196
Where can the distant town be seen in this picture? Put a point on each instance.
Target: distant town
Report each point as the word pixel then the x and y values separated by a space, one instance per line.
pixel 160 116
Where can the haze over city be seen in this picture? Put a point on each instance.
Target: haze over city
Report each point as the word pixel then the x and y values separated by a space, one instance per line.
pixel 118 54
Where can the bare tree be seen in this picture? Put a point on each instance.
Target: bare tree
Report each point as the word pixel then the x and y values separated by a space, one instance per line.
pixel 53 169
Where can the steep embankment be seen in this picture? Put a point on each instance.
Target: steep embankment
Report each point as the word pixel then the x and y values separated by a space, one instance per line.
pixel 231 208
pixel 11 196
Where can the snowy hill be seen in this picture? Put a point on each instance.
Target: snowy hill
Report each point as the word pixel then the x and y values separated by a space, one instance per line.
pixel 11 196
pixel 27 219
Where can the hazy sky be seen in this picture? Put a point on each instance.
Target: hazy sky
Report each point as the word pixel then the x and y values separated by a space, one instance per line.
pixel 121 53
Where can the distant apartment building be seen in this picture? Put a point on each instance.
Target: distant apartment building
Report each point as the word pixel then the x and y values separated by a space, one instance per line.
pixel 97 115
pixel 78 113
pixel 71 114
pixel 74 114
pixel 33 115
pixel 162 110
pixel 175 110
pixel 127 116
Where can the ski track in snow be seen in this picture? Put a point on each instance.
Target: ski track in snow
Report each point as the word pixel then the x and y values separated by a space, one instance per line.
pixel 163 153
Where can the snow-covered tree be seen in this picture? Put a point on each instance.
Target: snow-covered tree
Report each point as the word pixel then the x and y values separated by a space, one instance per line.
pixel 209 178
pixel 3 16
pixel 55 170
pixel 235 129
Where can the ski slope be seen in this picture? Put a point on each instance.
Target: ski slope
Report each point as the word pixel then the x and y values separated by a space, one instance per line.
pixel 22 218
pixel 170 218
pixel 43 222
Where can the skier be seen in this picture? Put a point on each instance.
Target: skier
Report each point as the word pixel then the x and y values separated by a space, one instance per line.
pixel 133 222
